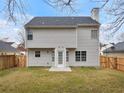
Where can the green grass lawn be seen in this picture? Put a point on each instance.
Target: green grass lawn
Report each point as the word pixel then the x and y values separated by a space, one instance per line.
pixel 80 80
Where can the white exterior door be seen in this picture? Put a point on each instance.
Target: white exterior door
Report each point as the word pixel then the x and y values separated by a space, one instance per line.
pixel 60 59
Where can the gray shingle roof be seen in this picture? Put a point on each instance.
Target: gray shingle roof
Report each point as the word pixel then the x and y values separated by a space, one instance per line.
pixel 10 43
pixel 119 47
pixel 60 21
pixel 6 47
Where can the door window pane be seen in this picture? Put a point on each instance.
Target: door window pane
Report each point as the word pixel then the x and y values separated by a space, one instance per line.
pixel 60 57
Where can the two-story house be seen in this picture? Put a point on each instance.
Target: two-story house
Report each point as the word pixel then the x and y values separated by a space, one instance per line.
pixel 63 41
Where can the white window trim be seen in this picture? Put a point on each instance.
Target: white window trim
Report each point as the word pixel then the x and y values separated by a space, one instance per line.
pixel 29 33
pixel 37 53
pixel 80 56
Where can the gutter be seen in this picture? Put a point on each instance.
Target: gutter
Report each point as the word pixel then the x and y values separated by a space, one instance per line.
pixel 63 26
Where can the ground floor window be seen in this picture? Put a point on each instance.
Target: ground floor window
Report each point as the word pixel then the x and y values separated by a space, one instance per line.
pixel 77 55
pixel 37 53
pixel 83 55
pixel 80 55
pixel 67 56
pixel 53 56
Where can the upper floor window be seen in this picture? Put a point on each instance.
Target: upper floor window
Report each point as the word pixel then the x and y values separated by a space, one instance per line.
pixel 67 56
pixel 94 34
pixel 80 55
pixel 37 53
pixel 29 35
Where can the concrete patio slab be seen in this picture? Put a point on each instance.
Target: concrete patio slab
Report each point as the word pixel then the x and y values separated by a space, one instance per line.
pixel 64 69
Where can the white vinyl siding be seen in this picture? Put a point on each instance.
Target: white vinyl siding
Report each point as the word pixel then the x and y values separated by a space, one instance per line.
pixel 85 43
pixel 43 60
pixel 52 38
pixel 48 40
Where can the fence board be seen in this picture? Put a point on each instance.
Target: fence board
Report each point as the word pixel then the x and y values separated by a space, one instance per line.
pixel 9 61
pixel 112 62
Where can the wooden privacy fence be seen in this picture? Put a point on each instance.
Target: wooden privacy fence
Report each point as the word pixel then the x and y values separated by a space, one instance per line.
pixel 9 61
pixel 112 62
pixel 21 61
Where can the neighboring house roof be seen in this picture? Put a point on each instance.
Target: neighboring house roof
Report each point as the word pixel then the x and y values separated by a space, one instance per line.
pixel 61 21
pixel 9 43
pixel 119 47
pixel 106 46
pixel 6 47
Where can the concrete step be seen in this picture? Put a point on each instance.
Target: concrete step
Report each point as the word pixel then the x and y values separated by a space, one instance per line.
pixel 64 69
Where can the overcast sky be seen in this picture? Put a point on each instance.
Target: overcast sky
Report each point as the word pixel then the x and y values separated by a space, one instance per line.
pixel 39 8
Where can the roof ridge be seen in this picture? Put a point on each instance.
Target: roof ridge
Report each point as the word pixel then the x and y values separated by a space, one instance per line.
pixel 59 16
pixel 61 20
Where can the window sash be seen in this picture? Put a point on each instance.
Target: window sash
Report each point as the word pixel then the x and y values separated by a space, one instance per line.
pixel 37 53
pixel 80 55
pixel 83 55
pixel 77 54
pixel 29 35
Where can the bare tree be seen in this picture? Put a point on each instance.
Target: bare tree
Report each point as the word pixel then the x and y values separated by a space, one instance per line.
pixel 104 2
pixel 116 9
pixel 120 37
pixel 21 37
pixel 62 4
pixel 12 7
